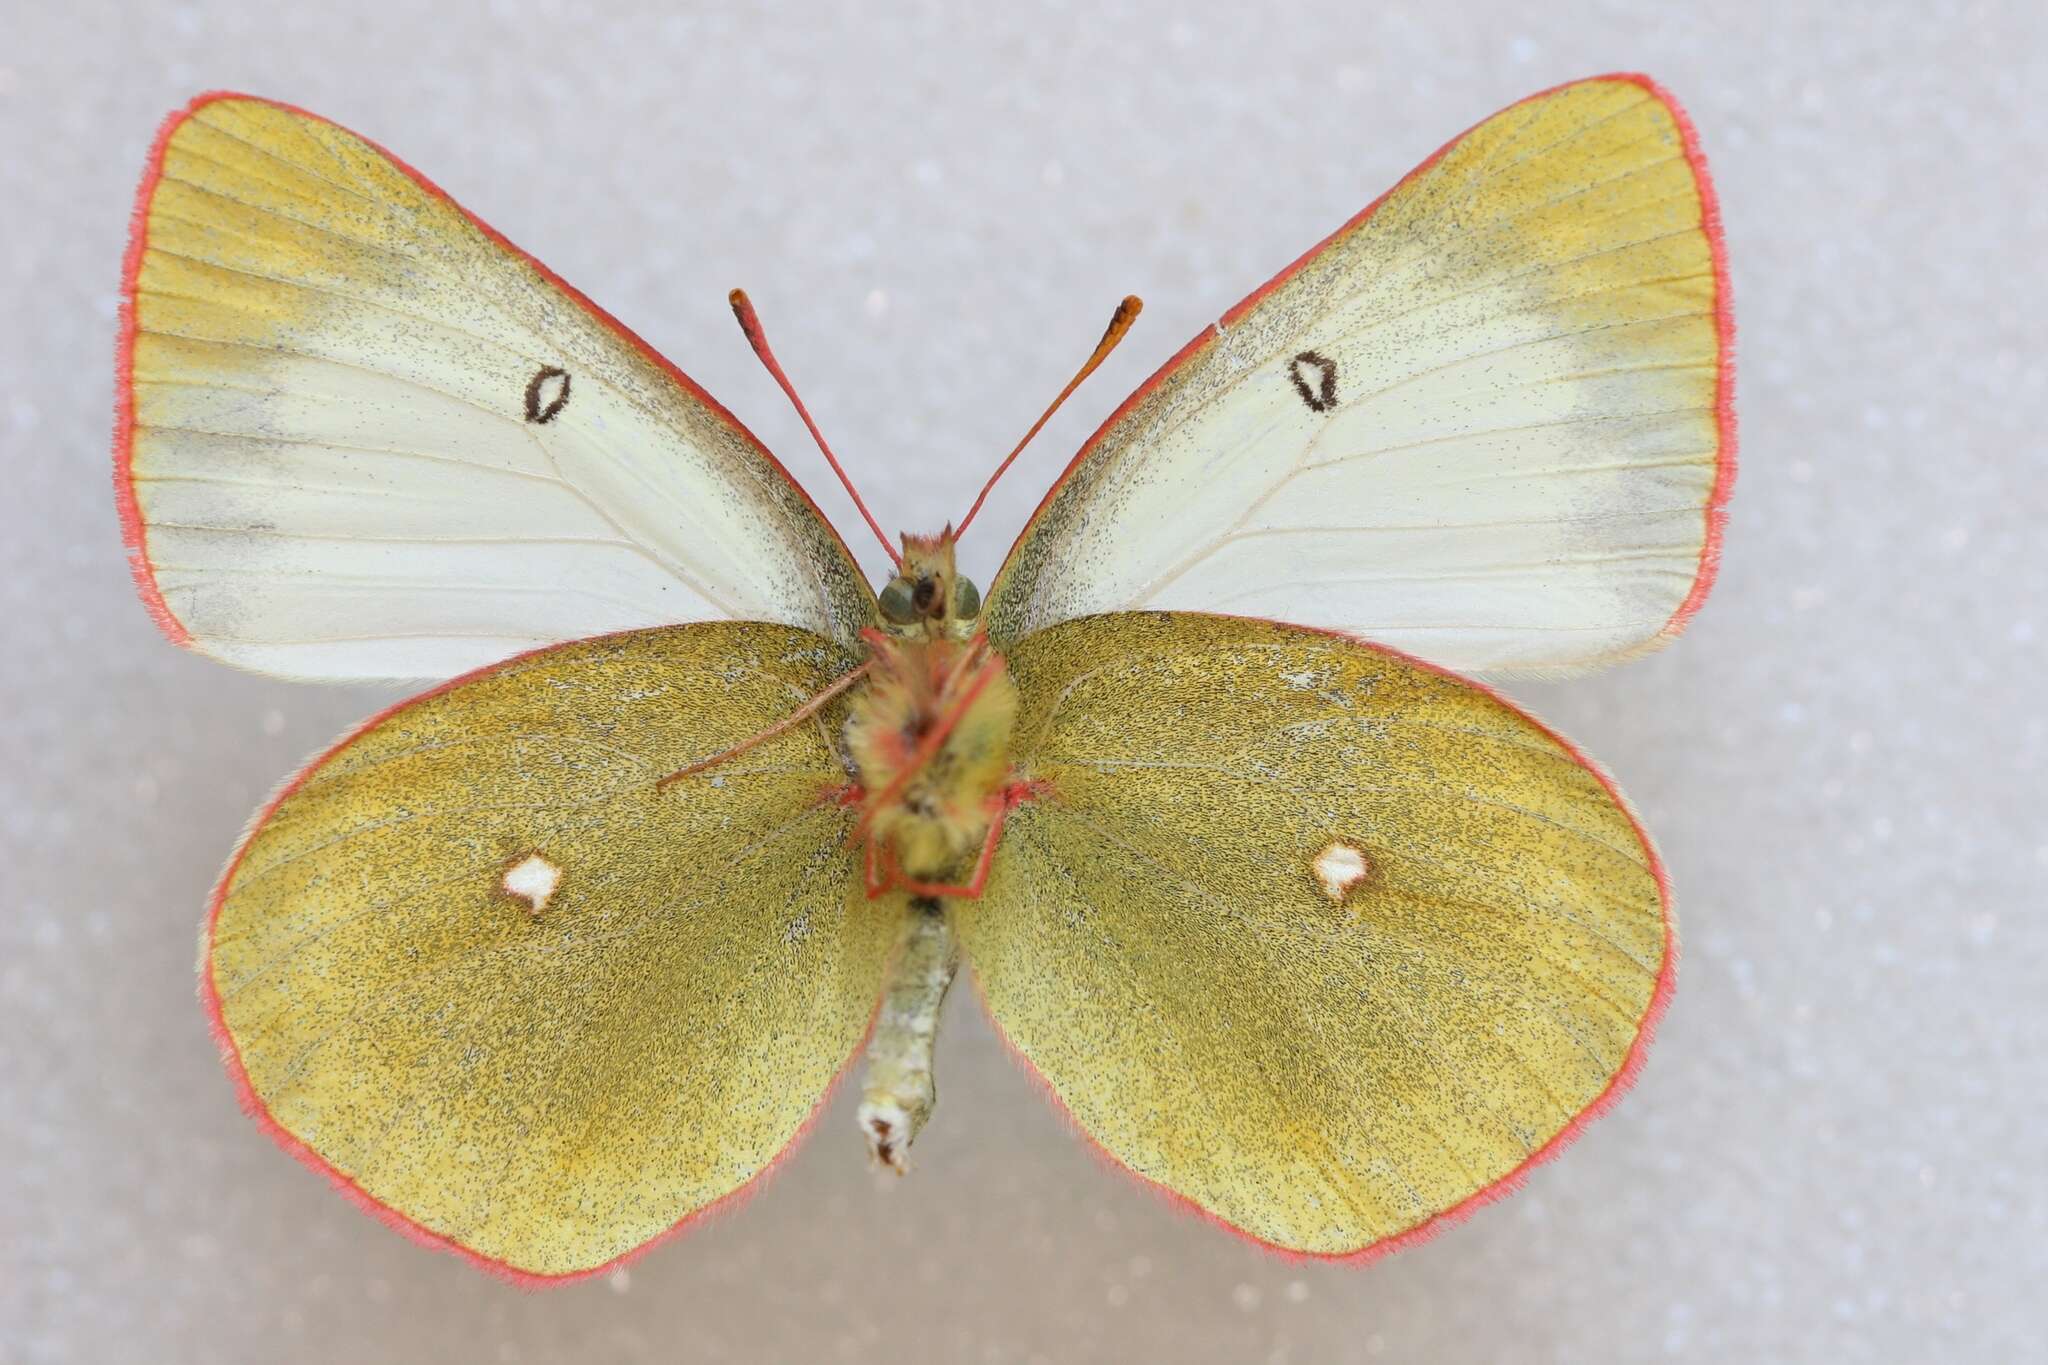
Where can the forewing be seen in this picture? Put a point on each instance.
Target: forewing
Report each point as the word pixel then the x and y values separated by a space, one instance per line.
pixel 1488 421
pixel 1329 944
pixel 478 969
pixel 362 435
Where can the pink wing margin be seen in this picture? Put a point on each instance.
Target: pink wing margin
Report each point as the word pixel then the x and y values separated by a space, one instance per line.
pixel 1632 1063
pixel 1724 331
pixel 252 1103
pixel 135 532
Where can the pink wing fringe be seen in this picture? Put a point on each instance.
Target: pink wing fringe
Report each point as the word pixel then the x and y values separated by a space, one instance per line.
pixel 134 535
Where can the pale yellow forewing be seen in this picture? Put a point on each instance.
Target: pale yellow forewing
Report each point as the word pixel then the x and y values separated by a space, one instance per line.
pixel 1488 421
pixel 1325 942
pixel 363 436
pixel 477 967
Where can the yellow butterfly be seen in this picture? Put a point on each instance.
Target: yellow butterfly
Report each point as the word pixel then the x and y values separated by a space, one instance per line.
pixel 1324 940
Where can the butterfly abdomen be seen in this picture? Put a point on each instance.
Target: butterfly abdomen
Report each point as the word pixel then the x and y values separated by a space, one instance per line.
pixel 899 1093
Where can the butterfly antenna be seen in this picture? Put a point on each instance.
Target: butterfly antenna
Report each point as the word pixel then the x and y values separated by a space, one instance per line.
pixel 750 323
pixel 1119 323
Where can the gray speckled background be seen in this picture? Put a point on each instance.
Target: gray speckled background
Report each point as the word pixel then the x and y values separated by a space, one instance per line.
pixel 1835 1151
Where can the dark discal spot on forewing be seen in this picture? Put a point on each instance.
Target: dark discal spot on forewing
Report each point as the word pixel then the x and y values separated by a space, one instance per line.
pixel 547 393
pixel 1315 379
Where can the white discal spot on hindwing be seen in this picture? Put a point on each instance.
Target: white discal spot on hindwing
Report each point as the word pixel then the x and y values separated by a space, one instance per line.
pixel 1339 868
pixel 532 879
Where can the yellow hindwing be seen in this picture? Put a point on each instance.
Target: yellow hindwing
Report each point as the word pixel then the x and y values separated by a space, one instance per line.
pixel 484 970
pixel 1319 939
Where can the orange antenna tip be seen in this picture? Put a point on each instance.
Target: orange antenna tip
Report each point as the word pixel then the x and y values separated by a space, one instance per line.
pixel 1119 323
pixel 750 323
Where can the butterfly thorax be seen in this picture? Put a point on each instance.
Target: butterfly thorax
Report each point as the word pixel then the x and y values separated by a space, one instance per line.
pixel 929 730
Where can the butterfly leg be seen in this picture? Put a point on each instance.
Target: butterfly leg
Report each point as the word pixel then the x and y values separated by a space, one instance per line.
pixel 900 1094
pixel 788 722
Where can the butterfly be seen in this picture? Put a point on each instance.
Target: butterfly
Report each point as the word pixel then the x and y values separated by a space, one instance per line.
pixel 1292 920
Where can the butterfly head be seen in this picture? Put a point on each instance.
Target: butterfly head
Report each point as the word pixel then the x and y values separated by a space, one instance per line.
pixel 928 598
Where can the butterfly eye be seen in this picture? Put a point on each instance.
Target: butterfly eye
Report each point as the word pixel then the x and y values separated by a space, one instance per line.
pixel 897 605
pixel 966 600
